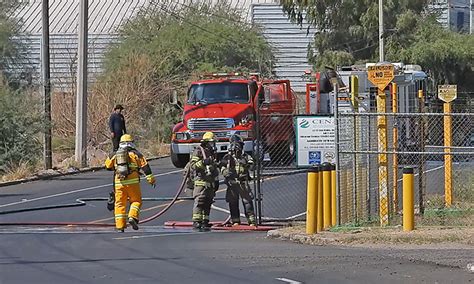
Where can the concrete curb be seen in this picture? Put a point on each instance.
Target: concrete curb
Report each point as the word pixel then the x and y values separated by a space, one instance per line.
pixel 59 174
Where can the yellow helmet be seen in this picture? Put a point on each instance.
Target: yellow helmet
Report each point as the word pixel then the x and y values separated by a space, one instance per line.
pixel 208 137
pixel 126 138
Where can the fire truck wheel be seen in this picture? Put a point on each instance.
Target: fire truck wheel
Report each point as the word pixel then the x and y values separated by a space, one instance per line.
pixel 179 160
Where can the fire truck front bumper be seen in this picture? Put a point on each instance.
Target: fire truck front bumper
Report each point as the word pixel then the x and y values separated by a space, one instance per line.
pixel 222 147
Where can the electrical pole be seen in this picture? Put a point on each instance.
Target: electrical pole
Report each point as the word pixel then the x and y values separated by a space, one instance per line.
pixel 81 96
pixel 381 44
pixel 471 20
pixel 45 58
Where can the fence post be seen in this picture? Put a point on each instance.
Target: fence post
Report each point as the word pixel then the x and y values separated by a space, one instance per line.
pixel 319 222
pixel 311 200
pixel 421 168
pixel 333 196
pixel 448 162
pixel 395 147
pixel 355 140
pixel 327 195
pixel 382 149
pixel 408 200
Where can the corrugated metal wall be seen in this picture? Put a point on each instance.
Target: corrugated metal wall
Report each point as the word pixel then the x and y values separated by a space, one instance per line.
pixel 289 40
pixel 106 16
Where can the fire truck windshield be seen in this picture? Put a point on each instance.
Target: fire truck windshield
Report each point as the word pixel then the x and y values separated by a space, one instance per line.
pixel 218 93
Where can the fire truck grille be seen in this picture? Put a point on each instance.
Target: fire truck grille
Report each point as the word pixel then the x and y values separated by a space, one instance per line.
pixel 218 134
pixel 210 123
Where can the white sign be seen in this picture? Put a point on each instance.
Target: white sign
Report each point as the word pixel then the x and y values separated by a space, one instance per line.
pixel 315 138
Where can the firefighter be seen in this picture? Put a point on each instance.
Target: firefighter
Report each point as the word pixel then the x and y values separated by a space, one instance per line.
pixel 235 167
pixel 127 163
pixel 204 172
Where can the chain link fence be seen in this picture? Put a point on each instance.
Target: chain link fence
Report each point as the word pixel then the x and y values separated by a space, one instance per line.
pixel 375 147
pixel 280 184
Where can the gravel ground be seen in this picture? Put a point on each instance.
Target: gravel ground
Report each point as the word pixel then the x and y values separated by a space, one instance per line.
pixel 451 247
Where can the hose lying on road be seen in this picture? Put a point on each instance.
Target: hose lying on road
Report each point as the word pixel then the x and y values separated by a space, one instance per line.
pixel 82 202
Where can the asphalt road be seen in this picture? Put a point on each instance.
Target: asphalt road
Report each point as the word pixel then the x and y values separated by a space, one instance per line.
pixel 154 254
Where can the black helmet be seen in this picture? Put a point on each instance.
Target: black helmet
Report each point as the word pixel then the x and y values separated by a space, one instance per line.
pixel 235 147
pixel 236 138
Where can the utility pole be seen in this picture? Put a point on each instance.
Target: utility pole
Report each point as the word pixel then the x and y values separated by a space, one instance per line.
pixel 381 43
pixel 471 20
pixel 45 58
pixel 81 96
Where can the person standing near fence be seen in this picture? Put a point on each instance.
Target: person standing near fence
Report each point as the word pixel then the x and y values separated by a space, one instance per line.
pixel 235 167
pixel 117 126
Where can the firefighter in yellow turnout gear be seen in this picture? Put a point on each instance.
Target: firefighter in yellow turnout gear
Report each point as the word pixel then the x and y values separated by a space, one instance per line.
pixel 235 167
pixel 204 172
pixel 127 163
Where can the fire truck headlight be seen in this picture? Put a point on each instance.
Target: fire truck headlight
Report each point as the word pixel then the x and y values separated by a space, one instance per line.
pixel 181 136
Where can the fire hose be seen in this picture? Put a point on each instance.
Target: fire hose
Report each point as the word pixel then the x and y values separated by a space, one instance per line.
pixel 82 202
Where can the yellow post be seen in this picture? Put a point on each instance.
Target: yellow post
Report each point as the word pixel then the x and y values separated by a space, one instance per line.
pixel 311 200
pixel 343 188
pixel 333 196
pixel 448 162
pixel 327 195
pixel 319 222
pixel 408 200
pixel 382 148
pixel 395 147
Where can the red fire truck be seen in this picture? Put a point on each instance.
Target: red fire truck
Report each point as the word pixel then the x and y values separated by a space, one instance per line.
pixel 228 103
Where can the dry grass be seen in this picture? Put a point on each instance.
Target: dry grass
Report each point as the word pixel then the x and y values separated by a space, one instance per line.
pixel 375 236
pixel 21 171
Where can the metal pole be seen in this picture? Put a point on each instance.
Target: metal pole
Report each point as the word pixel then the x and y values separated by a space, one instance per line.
pixel 45 58
pixel 448 162
pixel 471 7
pixel 336 148
pixel 355 104
pixel 381 42
pixel 81 96
pixel 383 163
pixel 408 200
pixel 259 165
pixel 312 200
pixel 395 148
pixel 421 173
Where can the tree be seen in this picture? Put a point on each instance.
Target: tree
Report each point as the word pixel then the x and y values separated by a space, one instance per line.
pixel 20 125
pixel 347 29
pixel 9 49
pixel 348 33
pixel 446 55
pixel 164 48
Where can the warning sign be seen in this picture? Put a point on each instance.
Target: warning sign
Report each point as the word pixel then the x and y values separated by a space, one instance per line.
pixel 381 75
pixel 447 93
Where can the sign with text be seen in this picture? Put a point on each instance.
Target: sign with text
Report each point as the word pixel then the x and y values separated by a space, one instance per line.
pixel 447 93
pixel 381 75
pixel 315 138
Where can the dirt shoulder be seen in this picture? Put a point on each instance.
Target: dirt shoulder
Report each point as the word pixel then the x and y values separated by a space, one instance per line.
pixel 448 247
pixel 373 237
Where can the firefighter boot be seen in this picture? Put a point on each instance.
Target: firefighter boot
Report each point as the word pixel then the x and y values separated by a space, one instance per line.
pixel 197 225
pixel 133 222
pixel 205 225
pixel 251 220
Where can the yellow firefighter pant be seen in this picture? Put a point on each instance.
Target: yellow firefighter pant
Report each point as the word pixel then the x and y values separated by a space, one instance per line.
pixel 134 195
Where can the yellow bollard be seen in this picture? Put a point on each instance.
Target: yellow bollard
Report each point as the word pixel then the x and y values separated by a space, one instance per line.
pixel 408 200
pixel 333 196
pixel 311 200
pixel 319 222
pixel 327 195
